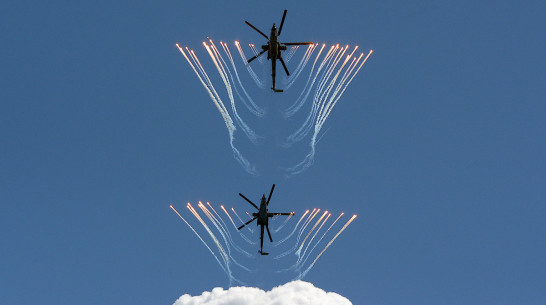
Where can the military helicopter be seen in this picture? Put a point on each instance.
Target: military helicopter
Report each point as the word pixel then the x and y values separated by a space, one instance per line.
pixel 274 48
pixel 263 217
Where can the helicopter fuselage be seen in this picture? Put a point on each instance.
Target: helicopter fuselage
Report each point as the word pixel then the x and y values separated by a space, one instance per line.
pixel 262 213
pixel 273 46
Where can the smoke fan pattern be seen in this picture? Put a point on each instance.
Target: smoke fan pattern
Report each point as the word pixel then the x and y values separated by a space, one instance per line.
pixel 331 73
pixel 300 241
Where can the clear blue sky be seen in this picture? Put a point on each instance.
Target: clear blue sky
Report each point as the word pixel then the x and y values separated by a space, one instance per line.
pixel 438 145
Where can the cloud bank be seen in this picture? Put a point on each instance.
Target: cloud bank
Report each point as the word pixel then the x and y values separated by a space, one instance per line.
pixel 293 293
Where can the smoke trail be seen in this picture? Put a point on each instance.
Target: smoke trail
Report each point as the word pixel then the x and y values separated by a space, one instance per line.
pixel 309 219
pixel 242 222
pixel 212 92
pixel 303 62
pixel 293 50
pixel 306 126
pixel 226 266
pixel 223 70
pixel 220 218
pixel 226 256
pixel 293 231
pixel 225 242
pixel 328 245
pixel 307 222
pixel 283 224
pixel 260 83
pixel 252 107
pixel 256 52
pixel 201 239
pixel 326 91
pixel 330 61
pixel 241 233
pixel 345 87
pixel 320 239
pixel 214 239
pixel 207 84
pixel 225 236
pixel 298 252
pixel 307 89
pixel 344 77
pixel 229 216
pixel 309 233
pixel 313 238
pixel 326 108
pixel 327 82
pixel 226 232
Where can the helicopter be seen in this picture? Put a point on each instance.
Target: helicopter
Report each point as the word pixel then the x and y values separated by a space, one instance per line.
pixel 263 217
pixel 274 48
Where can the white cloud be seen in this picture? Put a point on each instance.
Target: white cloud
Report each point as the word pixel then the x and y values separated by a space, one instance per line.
pixel 293 293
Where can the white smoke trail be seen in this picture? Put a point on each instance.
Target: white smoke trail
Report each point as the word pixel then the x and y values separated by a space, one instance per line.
pixel 214 239
pixel 225 234
pixel 327 81
pixel 223 70
pixel 248 102
pixel 242 222
pixel 307 89
pixel 225 258
pixel 256 52
pixel 225 241
pixel 207 84
pixel 344 77
pixel 304 273
pixel 260 83
pixel 227 238
pixel 306 126
pixel 303 62
pixel 245 238
pixel 346 85
pixel 298 252
pixel 326 107
pixel 300 258
pixel 293 50
pixel 320 239
pixel 306 223
pixel 201 239
pixel 293 231
pixel 210 89
pixel 283 224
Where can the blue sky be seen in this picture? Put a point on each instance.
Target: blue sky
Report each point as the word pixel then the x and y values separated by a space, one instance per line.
pixel 438 146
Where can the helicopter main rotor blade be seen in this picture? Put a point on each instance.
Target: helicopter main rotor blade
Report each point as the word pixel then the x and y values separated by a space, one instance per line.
pixel 284 66
pixel 239 228
pixel 250 25
pixel 270 193
pixel 297 43
pixel 248 201
pixel 269 233
pixel 282 22
pixel 276 214
pixel 257 55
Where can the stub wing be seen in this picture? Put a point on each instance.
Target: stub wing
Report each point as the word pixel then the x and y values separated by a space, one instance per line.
pixel 277 214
